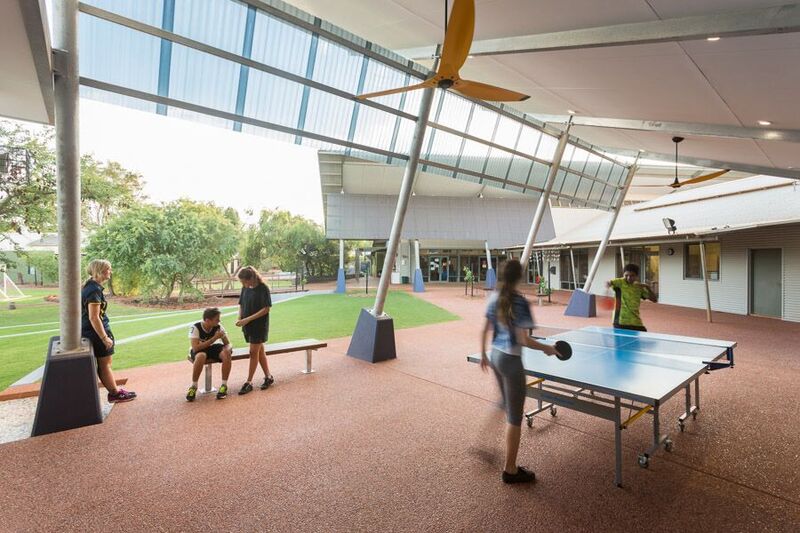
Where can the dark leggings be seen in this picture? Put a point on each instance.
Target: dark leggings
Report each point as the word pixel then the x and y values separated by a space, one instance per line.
pixel 511 377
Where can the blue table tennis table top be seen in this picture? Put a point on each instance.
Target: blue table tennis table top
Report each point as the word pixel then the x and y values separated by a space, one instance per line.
pixel 636 365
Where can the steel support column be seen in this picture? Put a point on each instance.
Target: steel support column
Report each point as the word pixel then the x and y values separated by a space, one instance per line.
pixel 705 279
pixel 340 279
pixel 604 243
pixel 545 197
pixel 68 178
pixel 582 302
pixel 373 338
pixel 68 396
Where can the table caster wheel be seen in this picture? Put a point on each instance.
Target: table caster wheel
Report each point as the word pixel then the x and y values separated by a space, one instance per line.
pixel 644 461
pixel 681 425
pixel 553 411
pixel 694 415
pixel 669 445
pixel 529 421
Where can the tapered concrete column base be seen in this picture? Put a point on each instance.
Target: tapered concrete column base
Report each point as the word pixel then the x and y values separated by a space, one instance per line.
pixel 581 304
pixel 340 285
pixel 491 279
pixel 373 339
pixel 68 398
pixel 419 284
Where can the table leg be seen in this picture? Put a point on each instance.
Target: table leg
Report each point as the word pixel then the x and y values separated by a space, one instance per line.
pixel 696 395
pixel 208 385
pixel 308 369
pixel 617 442
pixel 658 439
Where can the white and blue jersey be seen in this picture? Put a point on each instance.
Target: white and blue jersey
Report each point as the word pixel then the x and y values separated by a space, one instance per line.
pixel 504 338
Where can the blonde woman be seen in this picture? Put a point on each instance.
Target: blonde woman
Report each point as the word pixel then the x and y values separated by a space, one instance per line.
pixel 95 327
pixel 255 303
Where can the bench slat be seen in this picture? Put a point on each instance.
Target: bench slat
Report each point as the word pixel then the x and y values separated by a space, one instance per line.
pixel 282 347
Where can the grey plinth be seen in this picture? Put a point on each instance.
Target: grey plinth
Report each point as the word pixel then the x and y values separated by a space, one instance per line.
pixel 581 304
pixel 68 398
pixel 373 338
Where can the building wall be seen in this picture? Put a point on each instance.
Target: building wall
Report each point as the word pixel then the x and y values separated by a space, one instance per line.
pixel 731 292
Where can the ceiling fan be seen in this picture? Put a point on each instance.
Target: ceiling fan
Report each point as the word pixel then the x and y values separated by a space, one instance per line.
pixel 699 179
pixel 457 42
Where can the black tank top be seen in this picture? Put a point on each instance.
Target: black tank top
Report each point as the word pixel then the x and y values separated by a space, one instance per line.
pixel 204 336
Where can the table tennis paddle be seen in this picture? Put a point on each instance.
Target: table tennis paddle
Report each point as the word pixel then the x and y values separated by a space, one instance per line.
pixel 563 350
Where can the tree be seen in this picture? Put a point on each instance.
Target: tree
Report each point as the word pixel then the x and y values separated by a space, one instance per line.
pixel 107 189
pixel 46 265
pixel 285 240
pixel 157 249
pixel 27 179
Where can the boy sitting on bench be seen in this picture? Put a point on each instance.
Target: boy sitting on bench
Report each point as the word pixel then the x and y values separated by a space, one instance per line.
pixel 209 344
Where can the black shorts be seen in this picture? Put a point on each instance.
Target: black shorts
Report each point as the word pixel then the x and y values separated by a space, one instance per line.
pixel 257 335
pixel 213 353
pixel 632 328
pixel 98 346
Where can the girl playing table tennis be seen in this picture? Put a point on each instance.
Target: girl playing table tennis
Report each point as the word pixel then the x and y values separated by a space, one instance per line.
pixel 508 317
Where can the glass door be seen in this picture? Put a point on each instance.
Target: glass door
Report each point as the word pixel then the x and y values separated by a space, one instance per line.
pixel 434 268
pixel 446 271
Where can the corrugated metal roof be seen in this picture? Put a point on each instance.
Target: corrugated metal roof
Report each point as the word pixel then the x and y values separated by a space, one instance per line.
pixel 741 204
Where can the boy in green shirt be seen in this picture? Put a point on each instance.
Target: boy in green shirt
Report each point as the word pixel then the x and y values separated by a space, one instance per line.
pixel 629 293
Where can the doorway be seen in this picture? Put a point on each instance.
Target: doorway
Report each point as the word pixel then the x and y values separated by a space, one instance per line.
pixel 766 282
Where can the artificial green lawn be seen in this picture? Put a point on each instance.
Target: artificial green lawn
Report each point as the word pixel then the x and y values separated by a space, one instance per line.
pixel 324 316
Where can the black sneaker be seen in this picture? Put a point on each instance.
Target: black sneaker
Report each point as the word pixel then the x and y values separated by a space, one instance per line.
pixel 191 394
pixel 247 387
pixel 121 396
pixel 222 392
pixel 522 476
pixel 269 380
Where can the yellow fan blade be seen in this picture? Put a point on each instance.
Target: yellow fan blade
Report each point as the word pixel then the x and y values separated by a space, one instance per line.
pixel 427 83
pixel 706 177
pixel 458 38
pixel 491 93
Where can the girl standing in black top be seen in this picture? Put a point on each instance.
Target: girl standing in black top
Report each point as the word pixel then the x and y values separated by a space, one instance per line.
pixel 95 326
pixel 254 305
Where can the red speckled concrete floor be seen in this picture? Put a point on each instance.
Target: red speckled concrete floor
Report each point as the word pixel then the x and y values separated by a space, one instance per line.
pixel 360 447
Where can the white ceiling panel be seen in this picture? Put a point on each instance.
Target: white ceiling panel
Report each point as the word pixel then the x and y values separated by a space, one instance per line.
pixel 688 8
pixel 734 81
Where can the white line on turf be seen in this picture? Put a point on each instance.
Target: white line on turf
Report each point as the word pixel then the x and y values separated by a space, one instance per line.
pixel 138 316
pixel 138 319
pixel 37 374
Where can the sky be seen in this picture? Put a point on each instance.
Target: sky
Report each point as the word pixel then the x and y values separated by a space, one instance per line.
pixel 183 159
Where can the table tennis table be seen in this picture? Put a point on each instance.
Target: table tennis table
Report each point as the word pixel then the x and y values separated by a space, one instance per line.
pixel 614 369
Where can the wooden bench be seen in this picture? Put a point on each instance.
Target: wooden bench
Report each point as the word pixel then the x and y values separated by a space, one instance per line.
pixel 307 345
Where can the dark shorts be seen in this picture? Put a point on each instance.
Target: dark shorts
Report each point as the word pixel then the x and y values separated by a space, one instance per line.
pixel 255 335
pixel 98 346
pixel 510 376
pixel 213 353
pixel 632 328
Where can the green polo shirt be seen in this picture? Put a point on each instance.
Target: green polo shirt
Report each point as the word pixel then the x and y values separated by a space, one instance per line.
pixel 629 297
